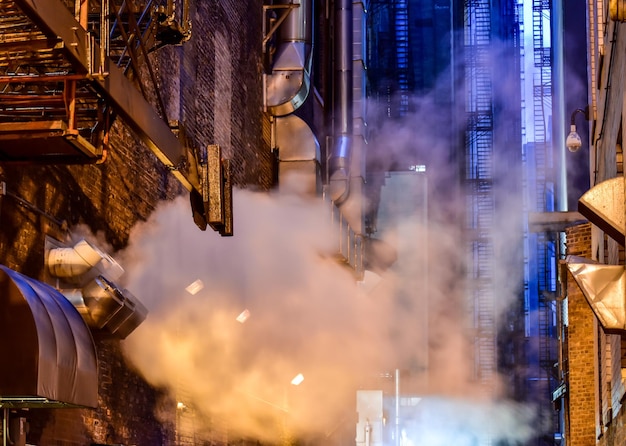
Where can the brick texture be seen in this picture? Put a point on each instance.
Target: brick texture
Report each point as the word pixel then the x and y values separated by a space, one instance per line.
pixel 212 85
pixel 581 352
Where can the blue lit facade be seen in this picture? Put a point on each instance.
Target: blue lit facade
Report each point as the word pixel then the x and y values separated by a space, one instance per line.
pixel 486 66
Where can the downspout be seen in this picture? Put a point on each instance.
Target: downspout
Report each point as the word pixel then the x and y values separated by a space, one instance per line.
pixel 340 159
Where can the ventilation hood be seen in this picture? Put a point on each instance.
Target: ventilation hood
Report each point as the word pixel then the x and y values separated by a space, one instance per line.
pixel 604 287
pixel 50 360
pixel 603 205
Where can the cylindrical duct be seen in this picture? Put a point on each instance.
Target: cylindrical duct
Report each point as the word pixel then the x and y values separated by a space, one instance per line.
pixel 299 168
pixel 339 163
pixel 297 26
pixel 112 308
pixel 71 263
pixel 288 85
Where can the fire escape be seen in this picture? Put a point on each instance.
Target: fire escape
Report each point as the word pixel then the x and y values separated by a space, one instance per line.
pixel 479 188
pixel 546 245
pixel 69 68
pixel 401 19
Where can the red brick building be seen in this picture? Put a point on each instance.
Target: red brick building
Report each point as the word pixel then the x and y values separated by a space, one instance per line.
pixel 210 83
pixel 579 350
pixel 594 353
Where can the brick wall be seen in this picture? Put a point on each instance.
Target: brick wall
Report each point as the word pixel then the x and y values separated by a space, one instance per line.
pixel 212 84
pixel 581 352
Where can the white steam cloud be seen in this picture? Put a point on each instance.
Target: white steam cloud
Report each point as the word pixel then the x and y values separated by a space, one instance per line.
pixel 304 314
pixel 233 320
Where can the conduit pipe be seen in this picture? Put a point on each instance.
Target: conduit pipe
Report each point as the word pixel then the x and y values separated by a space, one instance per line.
pixel 340 159
pixel 288 85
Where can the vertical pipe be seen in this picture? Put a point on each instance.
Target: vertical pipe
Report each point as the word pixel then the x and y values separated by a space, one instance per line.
pixel 559 119
pixel 70 100
pixel 297 26
pixel 5 415
pixel 343 67
pixel 104 33
pixel 561 295
pixel 339 163
pixel 397 424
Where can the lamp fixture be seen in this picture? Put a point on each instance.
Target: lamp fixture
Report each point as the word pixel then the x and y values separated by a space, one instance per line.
pixel 573 142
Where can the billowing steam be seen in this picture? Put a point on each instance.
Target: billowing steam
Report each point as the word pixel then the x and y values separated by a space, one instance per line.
pixel 302 313
pixel 233 320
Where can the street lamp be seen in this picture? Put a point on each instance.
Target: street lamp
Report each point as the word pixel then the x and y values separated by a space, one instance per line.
pixel 573 141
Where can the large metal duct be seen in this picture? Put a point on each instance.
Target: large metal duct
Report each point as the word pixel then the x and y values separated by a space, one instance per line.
pixel 340 159
pixel 101 303
pixel 286 89
pixel 105 306
pixel 288 84
pixel 299 168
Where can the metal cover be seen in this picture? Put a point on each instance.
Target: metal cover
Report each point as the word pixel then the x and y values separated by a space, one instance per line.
pixel 603 205
pixel 604 287
pixel 49 357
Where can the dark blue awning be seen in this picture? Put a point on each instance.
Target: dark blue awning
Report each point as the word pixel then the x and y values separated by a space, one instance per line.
pixel 48 354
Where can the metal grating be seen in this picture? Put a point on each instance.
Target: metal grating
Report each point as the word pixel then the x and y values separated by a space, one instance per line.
pixel 479 181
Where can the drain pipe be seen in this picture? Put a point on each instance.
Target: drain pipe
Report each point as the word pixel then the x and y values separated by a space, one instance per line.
pixel 339 162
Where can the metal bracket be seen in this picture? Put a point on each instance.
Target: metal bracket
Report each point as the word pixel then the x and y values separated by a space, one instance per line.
pixel 287 9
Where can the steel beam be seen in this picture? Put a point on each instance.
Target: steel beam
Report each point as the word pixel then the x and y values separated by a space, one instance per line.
pixel 553 221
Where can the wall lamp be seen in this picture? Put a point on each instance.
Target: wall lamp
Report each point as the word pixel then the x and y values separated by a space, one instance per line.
pixel 573 141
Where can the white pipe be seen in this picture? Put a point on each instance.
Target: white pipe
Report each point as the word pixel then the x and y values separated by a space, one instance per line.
pixel 397 427
pixel 4 426
pixel 76 261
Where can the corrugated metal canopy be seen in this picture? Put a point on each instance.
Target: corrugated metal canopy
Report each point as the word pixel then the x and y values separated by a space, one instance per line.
pixel 48 354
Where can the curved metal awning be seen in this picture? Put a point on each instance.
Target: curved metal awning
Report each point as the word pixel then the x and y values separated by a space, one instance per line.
pixel 48 356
